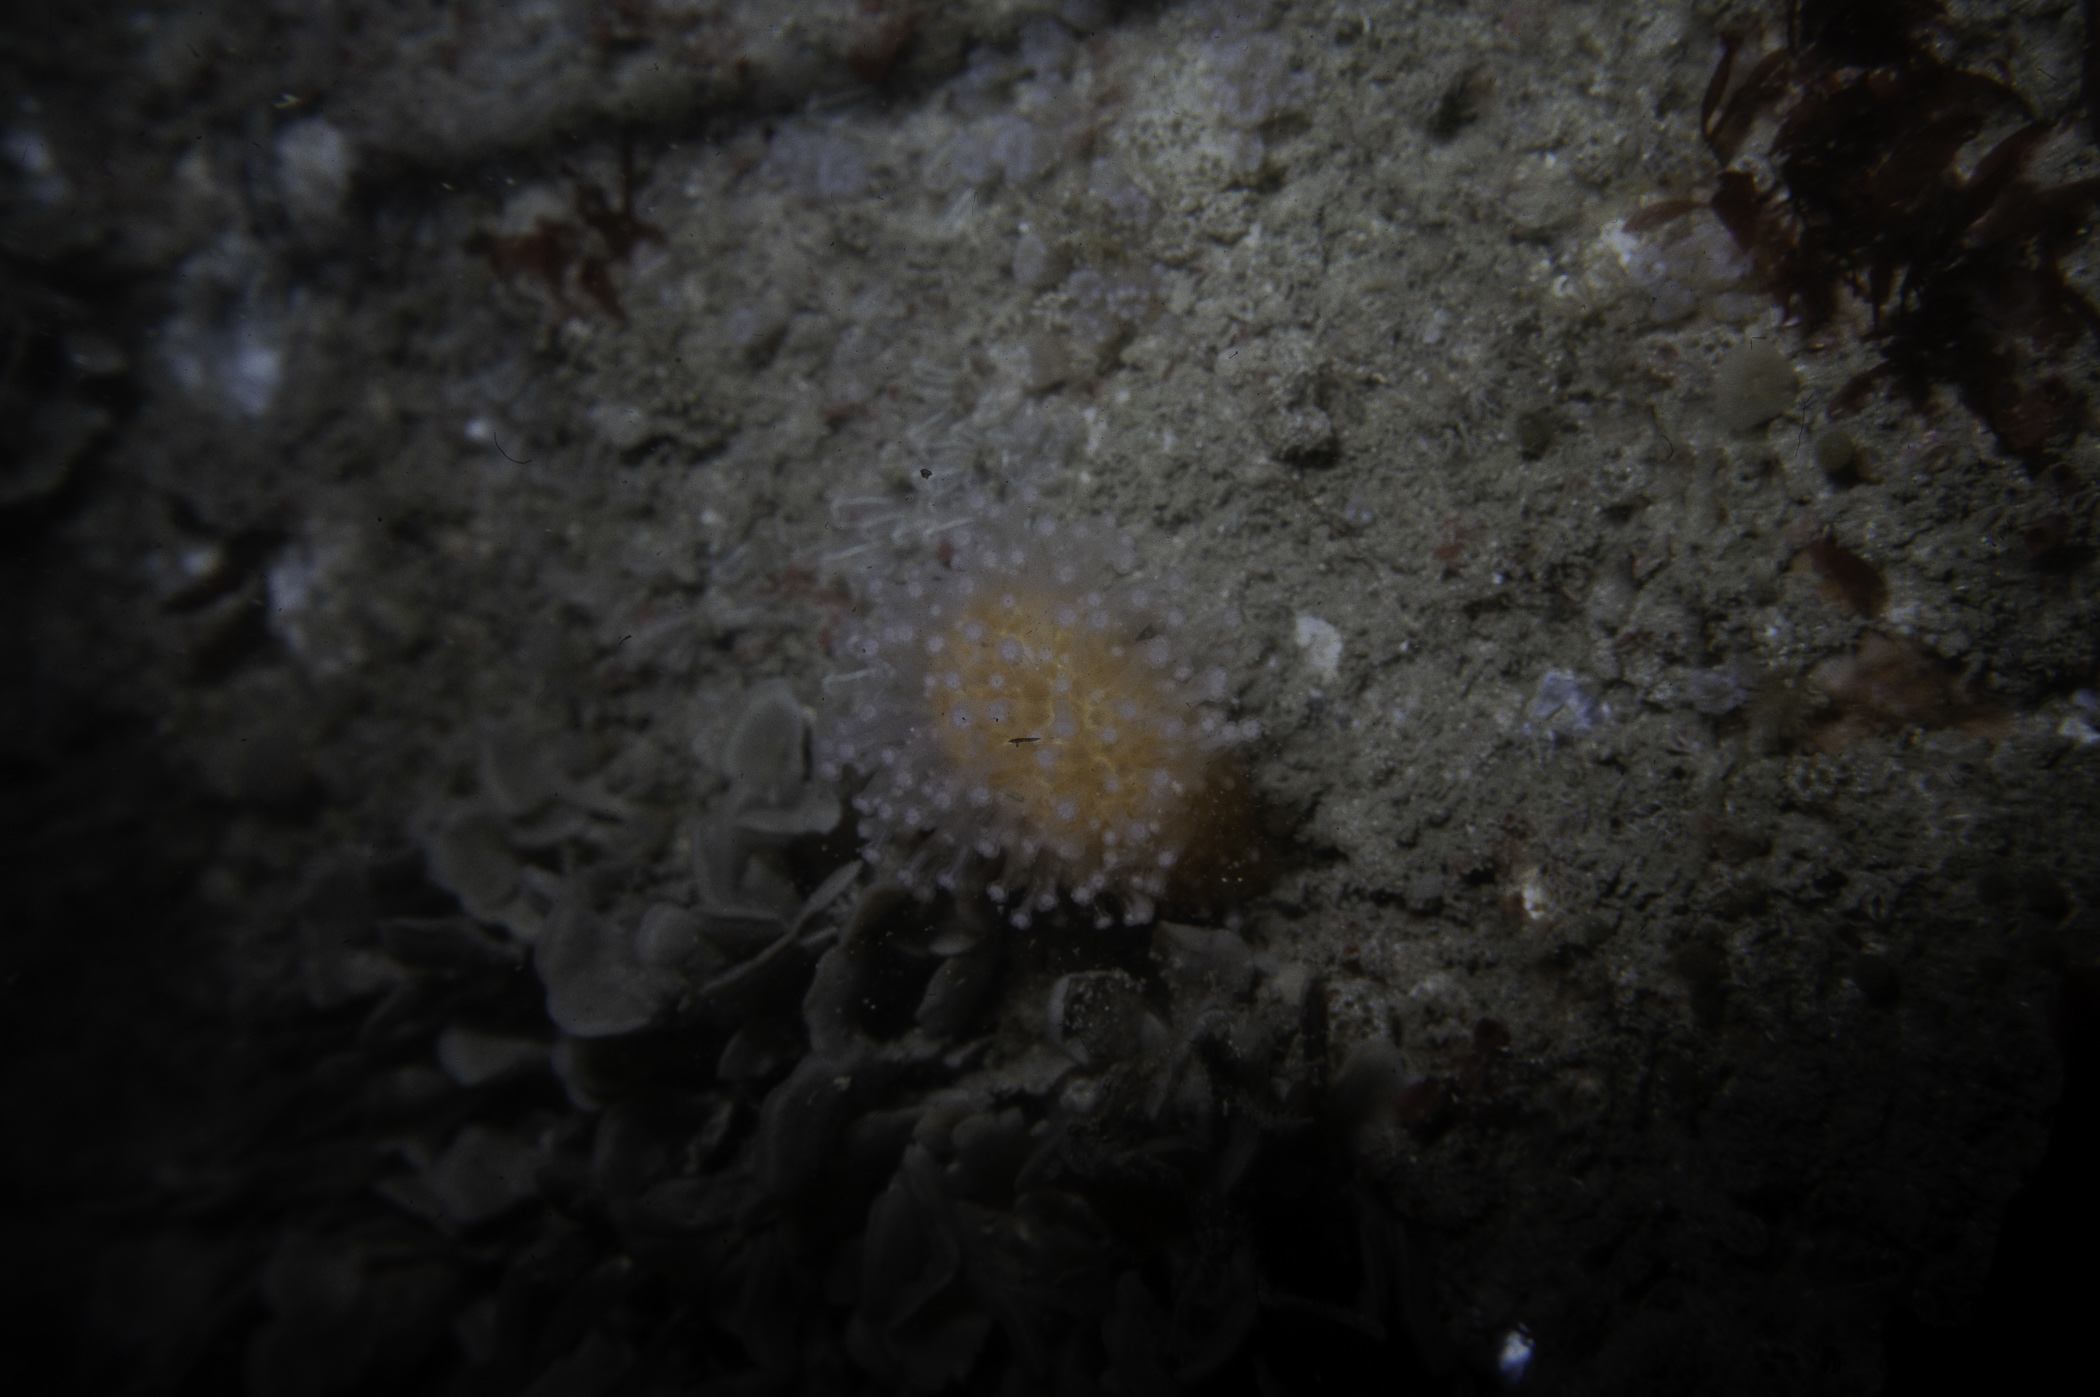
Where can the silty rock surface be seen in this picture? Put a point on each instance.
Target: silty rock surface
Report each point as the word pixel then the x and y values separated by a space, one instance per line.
pixel 454 442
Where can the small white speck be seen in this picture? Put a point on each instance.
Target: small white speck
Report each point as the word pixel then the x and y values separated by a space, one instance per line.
pixel 1322 644
pixel 1532 888
pixel 1514 1357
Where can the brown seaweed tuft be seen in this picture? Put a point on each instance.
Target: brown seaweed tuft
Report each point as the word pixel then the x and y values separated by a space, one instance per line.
pixel 1867 198
pixel 1846 578
pixel 1887 684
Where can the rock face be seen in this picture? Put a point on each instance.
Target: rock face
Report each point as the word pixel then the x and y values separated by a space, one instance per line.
pixel 1630 810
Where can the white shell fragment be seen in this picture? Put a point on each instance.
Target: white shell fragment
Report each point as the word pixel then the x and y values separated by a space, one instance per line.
pixel 1322 645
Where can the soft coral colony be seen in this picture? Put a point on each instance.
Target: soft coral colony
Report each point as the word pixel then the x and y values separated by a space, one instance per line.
pixel 1032 718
